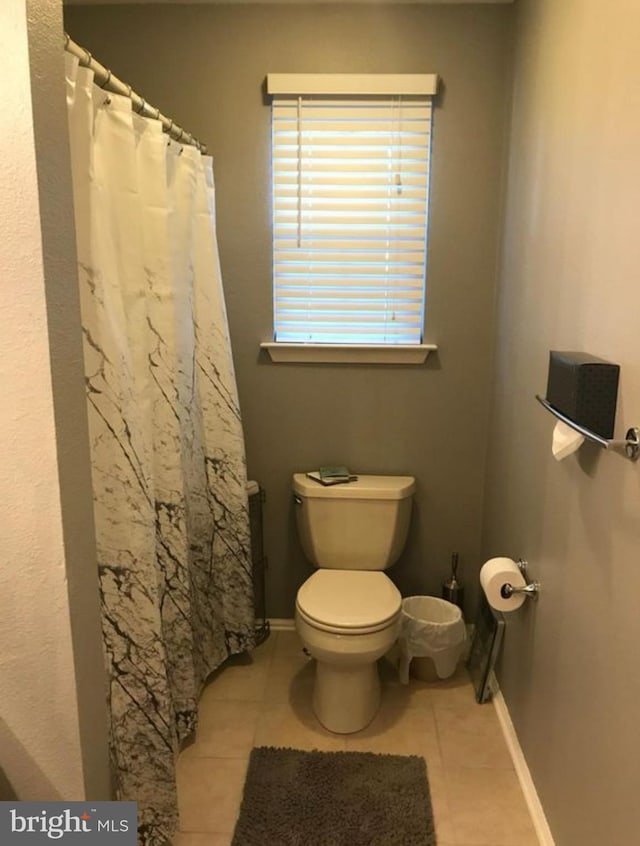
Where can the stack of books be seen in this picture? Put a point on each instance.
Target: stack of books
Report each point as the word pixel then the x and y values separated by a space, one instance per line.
pixel 332 476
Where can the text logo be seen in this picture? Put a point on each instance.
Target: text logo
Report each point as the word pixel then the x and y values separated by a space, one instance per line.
pixel 87 823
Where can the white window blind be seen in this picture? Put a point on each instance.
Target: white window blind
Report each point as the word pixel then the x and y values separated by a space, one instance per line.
pixel 350 201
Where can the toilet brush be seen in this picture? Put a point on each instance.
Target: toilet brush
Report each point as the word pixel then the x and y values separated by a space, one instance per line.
pixel 452 590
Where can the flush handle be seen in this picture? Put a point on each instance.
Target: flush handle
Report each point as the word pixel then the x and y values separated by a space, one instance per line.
pixel 298 499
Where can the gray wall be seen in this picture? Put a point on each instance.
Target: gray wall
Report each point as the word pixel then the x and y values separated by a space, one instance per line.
pixel 205 67
pixel 569 281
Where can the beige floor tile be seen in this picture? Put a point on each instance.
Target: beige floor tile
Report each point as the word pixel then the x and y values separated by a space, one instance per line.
pixel 226 729
pixel 287 645
pixel 471 738
pixel 260 655
pixel 241 680
pixel 209 792
pixel 208 839
pixel 290 679
pixel 265 698
pixel 293 724
pixel 264 651
pixel 416 694
pixel 488 808
pixel 399 731
pixel 455 692
pixel 440 804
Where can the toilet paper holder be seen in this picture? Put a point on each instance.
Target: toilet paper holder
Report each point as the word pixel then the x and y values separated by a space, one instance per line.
pixel 531 589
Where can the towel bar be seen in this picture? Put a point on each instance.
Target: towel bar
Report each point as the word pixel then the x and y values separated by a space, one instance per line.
pixel 630 445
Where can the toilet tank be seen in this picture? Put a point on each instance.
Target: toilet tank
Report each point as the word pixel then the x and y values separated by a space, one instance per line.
pixel 361 525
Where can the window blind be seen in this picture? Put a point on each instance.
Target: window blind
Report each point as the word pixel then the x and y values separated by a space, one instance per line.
pixel 350 201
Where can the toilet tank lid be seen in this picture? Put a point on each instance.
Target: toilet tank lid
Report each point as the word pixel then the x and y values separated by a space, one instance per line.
pixel 366 487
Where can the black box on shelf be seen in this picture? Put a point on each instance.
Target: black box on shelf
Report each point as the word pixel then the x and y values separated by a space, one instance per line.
pixel 584 388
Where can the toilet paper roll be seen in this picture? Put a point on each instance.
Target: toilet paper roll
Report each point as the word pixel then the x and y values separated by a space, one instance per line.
pixel 496 573
pixel 565 441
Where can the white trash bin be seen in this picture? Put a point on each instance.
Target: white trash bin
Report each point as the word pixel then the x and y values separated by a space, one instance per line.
pixel 430 628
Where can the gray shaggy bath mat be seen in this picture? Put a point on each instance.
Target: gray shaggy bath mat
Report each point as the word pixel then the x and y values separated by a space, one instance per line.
pixel 295 798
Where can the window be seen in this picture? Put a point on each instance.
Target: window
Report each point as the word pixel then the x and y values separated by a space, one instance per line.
pixel 350 174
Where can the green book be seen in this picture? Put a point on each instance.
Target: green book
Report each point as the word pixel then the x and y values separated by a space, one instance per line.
pixel 327 473
pixel 332 476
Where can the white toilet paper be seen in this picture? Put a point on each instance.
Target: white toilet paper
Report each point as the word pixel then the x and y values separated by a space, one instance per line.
pixel 565 441
pixel 493 575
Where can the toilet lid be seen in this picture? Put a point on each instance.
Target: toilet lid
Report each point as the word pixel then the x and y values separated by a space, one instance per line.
pixel 349 599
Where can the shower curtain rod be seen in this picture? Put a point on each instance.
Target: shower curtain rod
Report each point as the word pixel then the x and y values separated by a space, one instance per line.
pixel 105 79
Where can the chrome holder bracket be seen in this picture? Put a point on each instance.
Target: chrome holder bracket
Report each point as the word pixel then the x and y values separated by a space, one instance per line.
pixel 632 445
pixel 532 589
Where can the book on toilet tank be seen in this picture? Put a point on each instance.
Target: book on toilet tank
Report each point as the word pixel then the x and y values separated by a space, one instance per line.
pixel 332 476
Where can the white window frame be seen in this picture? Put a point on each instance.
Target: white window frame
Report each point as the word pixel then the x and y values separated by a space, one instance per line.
pixel 284 86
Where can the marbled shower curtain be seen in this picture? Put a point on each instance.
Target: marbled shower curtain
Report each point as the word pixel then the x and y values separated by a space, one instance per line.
pixel 168 467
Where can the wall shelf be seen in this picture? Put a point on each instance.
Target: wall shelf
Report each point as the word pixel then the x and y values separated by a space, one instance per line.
pixel 630 446
pixel 347 353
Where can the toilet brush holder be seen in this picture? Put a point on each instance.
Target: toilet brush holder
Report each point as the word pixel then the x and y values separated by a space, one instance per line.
pixel 452 590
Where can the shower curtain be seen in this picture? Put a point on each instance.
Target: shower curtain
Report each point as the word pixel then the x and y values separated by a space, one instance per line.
pixel 167 451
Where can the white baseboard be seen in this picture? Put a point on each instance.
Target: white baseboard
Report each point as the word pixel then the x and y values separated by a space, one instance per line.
pixel 281 624
pixel 520 765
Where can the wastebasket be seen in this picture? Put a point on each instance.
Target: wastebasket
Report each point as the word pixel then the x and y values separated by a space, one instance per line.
pixel 430 628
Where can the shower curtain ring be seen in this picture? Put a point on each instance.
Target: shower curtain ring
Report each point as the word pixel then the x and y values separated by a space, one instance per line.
pixel 89 57
pixel 107 80
pixel 143 103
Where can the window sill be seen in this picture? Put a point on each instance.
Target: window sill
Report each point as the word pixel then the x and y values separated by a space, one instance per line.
pixel 347 353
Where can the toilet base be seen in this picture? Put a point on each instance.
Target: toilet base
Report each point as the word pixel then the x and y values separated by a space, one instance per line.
pixel 346 697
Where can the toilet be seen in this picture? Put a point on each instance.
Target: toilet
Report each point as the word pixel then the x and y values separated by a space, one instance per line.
pixel 348 610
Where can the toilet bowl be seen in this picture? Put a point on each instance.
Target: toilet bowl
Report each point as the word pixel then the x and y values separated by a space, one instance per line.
pixel 347 620
pixel 348 611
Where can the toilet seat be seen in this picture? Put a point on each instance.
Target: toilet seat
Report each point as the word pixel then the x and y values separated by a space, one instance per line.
pixel 349 601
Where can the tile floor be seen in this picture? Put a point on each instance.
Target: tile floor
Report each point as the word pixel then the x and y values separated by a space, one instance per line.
pixel 264 700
